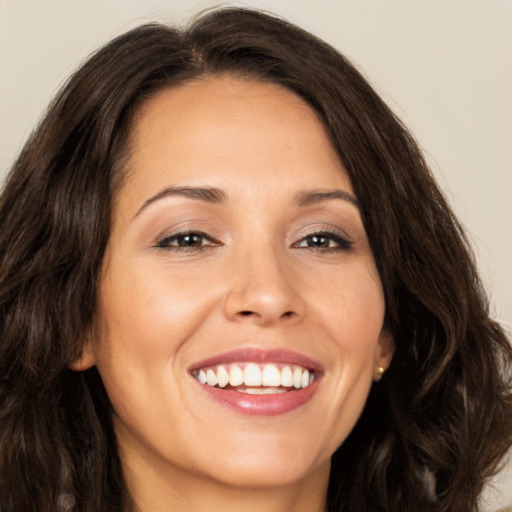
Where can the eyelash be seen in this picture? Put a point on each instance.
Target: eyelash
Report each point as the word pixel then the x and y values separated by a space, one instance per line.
pixel 165 243
pixel 342 244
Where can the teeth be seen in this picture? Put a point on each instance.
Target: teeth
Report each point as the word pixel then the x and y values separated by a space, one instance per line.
pixel 305 379
pixel 256 379
pixel 271 376
pixel 287 377
pixel 252 375
pixel 236 376
pixel 211 377
pixel 297 378
pixel 262 391
pixel 201 376
pixel 222 376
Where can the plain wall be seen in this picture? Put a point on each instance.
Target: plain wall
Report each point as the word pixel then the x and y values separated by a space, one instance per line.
pixel 445 67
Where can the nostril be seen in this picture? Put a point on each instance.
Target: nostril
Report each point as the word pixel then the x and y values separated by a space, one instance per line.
pixel 248 313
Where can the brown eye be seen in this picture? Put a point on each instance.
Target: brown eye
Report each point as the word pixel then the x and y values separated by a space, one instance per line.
pixel 319 241
pixel 325 242
pixel 188 240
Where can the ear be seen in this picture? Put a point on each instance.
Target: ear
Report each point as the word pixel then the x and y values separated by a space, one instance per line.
pixel 86 360
pixel 383 354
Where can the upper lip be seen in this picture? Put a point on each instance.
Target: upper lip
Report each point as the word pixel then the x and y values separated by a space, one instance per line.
pixel 261 356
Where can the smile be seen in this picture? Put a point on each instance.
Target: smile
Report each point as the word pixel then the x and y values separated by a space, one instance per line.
pixel 258 382
pixel 256 379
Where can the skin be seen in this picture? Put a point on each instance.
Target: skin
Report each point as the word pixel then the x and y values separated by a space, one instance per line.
pixel 256 280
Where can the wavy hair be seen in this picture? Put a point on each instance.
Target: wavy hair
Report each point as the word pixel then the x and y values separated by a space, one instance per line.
pixel 433 429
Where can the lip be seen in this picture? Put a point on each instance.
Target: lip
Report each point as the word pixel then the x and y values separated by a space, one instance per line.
pixel 260 405
pixel 256 355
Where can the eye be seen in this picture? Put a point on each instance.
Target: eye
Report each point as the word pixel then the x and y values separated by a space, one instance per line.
pixel 187 241
pixel 324 241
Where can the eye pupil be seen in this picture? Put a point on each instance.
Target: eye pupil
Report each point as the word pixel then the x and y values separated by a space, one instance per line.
pixel 190 240
pixel 318 241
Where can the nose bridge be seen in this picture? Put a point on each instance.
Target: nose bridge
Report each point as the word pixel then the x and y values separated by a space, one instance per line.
pixel 262 286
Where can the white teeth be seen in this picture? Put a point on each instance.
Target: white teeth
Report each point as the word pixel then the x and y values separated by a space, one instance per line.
pixel 297 378
pixel 271 376
pixel 287 377
pixel 211 377
pixel 255 379
pixel 252 375
pixel 262 391
pixel 222 376
pixel 305 379
pixel 236 376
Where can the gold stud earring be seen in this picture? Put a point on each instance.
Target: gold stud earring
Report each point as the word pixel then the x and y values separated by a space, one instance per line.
pixel 379 372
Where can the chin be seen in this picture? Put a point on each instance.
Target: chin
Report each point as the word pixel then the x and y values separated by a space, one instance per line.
pixel 272 473
pixel 271 466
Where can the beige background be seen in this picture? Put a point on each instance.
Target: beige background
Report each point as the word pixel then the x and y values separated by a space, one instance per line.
pixel 444 66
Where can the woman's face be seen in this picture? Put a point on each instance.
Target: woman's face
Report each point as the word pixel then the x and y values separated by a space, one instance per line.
pixel 237 255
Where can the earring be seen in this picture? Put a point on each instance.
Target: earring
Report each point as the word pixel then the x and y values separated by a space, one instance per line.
pixel 379 372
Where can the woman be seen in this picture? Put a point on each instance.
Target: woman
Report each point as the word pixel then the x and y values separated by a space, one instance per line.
pixel 241 289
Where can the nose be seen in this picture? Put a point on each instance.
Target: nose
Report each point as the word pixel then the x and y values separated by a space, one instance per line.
pixel 263 290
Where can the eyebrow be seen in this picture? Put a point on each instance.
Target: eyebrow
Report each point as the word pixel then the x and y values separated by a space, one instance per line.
pixel 312 197
pixel 207 194
pixel 216 196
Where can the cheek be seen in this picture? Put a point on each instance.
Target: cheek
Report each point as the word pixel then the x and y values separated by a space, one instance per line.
pixel 351 304
pixel 150 309
pixel 146 318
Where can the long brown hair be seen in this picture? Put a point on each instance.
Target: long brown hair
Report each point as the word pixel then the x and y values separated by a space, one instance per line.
pixel 436 426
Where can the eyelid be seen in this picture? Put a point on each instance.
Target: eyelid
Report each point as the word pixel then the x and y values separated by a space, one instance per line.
pixel 318 228
pixel 162 242
pixel 345 242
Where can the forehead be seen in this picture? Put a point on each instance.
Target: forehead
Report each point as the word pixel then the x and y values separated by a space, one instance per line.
pixel 204 97
pixel 227 131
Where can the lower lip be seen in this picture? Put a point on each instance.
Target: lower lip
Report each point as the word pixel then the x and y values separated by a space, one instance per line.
pixel 261 405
